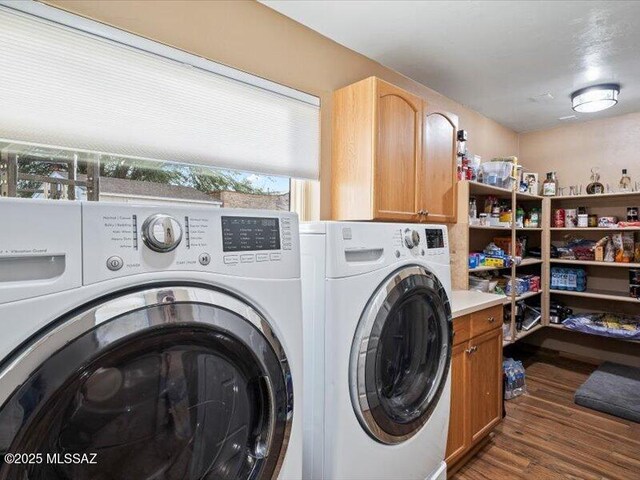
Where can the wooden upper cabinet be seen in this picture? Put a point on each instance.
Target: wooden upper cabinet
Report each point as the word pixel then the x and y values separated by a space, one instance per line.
pixel 437 175
pixel 376 149
pixel 398 150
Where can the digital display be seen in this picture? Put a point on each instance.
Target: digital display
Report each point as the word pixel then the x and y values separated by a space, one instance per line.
pixel 240 234
pixel 435 238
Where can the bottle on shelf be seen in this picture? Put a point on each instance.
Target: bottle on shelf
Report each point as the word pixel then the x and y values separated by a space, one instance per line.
pixel 519 217
pixel 534 218
pixel 625 181
pixel 473 209
pixel 550 185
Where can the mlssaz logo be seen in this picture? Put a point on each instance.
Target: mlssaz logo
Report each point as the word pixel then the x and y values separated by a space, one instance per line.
pixel 72 458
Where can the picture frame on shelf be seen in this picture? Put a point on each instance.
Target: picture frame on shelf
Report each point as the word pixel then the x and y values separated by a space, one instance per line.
pixel 531 180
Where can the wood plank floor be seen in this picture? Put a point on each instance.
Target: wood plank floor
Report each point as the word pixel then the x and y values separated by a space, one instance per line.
pixel 546 436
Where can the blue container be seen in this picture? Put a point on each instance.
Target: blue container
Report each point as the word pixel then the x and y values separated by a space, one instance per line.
pixel 571 279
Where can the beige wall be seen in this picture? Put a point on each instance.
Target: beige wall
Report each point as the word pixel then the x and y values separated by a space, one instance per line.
pixel 572 150
pixel 254 38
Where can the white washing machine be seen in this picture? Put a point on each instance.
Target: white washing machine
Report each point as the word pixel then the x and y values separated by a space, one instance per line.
pixel 378 336
pixel 156 342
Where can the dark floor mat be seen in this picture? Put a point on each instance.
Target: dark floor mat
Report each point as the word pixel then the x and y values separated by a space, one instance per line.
pixel 613 389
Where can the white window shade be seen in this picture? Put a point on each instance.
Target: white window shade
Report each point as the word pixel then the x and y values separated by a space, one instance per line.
pixel 62 86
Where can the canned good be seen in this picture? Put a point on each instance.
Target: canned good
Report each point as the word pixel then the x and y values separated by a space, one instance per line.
pixel 593 220
pixel 558 218
pixel 570 218
pixel 583 220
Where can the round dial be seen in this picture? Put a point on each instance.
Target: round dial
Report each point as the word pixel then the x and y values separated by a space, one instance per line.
pixel 161 233
pixel 411 238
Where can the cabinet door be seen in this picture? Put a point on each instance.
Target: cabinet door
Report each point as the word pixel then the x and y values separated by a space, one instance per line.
pixel 485 382
pixel 458 438
pixel 437 171
pixel 398 152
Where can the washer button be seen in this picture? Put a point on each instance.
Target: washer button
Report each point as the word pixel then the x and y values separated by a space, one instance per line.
pixel 262 257
pixel 275 256
pixel 114 263
pixel 230 259
pixel 204 259
pixel 249 258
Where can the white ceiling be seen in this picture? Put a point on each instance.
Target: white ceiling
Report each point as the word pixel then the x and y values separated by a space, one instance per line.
pixel 500 58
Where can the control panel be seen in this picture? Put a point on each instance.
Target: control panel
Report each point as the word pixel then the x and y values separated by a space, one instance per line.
pixel 368 246
pixel 121 240
pixel 420 241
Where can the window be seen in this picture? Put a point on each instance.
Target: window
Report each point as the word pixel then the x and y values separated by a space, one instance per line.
pixel 33 171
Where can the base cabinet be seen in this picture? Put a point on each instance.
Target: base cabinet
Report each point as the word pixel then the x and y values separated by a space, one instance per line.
pixel 476 382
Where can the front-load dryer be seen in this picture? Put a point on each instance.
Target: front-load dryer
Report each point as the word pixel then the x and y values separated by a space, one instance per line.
pixel 377 340
pixel 143 342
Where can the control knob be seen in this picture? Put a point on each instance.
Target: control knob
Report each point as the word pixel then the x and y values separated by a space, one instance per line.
pixel 411 238
pixel 161 233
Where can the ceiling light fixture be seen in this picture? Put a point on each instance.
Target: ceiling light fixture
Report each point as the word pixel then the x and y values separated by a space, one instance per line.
pixel 595 98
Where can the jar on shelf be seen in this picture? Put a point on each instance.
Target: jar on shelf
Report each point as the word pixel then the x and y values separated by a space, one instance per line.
pixel 583 217
pixel 534 218
pixel 550 185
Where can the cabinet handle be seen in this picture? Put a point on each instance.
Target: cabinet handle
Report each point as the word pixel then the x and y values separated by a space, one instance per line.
pixel 471 350
pixel 491 319
pixel 425 212
pixel 420 212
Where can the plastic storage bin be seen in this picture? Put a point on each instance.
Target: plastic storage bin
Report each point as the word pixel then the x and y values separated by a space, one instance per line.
pixel 498 174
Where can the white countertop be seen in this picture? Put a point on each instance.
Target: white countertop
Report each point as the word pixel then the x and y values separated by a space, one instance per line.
pixel 469 301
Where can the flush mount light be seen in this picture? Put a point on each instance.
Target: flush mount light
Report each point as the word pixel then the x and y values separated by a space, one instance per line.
pixel 596 98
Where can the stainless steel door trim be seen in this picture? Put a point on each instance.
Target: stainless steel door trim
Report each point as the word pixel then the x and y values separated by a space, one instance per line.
pixel 34 355
pixel 361 346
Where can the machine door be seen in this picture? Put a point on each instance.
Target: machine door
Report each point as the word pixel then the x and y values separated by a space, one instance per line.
pixel 177 383
pixel 401 355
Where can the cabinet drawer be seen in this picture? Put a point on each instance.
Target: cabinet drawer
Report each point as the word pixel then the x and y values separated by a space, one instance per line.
pixel 461 329
pixel 486 320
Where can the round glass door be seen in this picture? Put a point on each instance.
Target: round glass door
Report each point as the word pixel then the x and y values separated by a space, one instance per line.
pixel 401 355
pixel 190 385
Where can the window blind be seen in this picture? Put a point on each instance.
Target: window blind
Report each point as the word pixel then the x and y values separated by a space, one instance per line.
pixel 63 86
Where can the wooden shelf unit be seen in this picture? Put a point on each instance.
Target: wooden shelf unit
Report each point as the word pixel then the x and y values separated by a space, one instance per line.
pixel 607 282
pixel 466 238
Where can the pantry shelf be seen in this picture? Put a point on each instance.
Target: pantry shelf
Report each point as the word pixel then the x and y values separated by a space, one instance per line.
pixel 600 294
pixel 595 229
pixel 527 196
pixel 524 333
pixel 528 295
pixel 521 334
pixel 562 327
pixel 612 195
pixel 487 269
pixel 487 227
pixel 477 188
pixel 524 296
pixel 528 229
pixel 529 261
pixel 595 264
